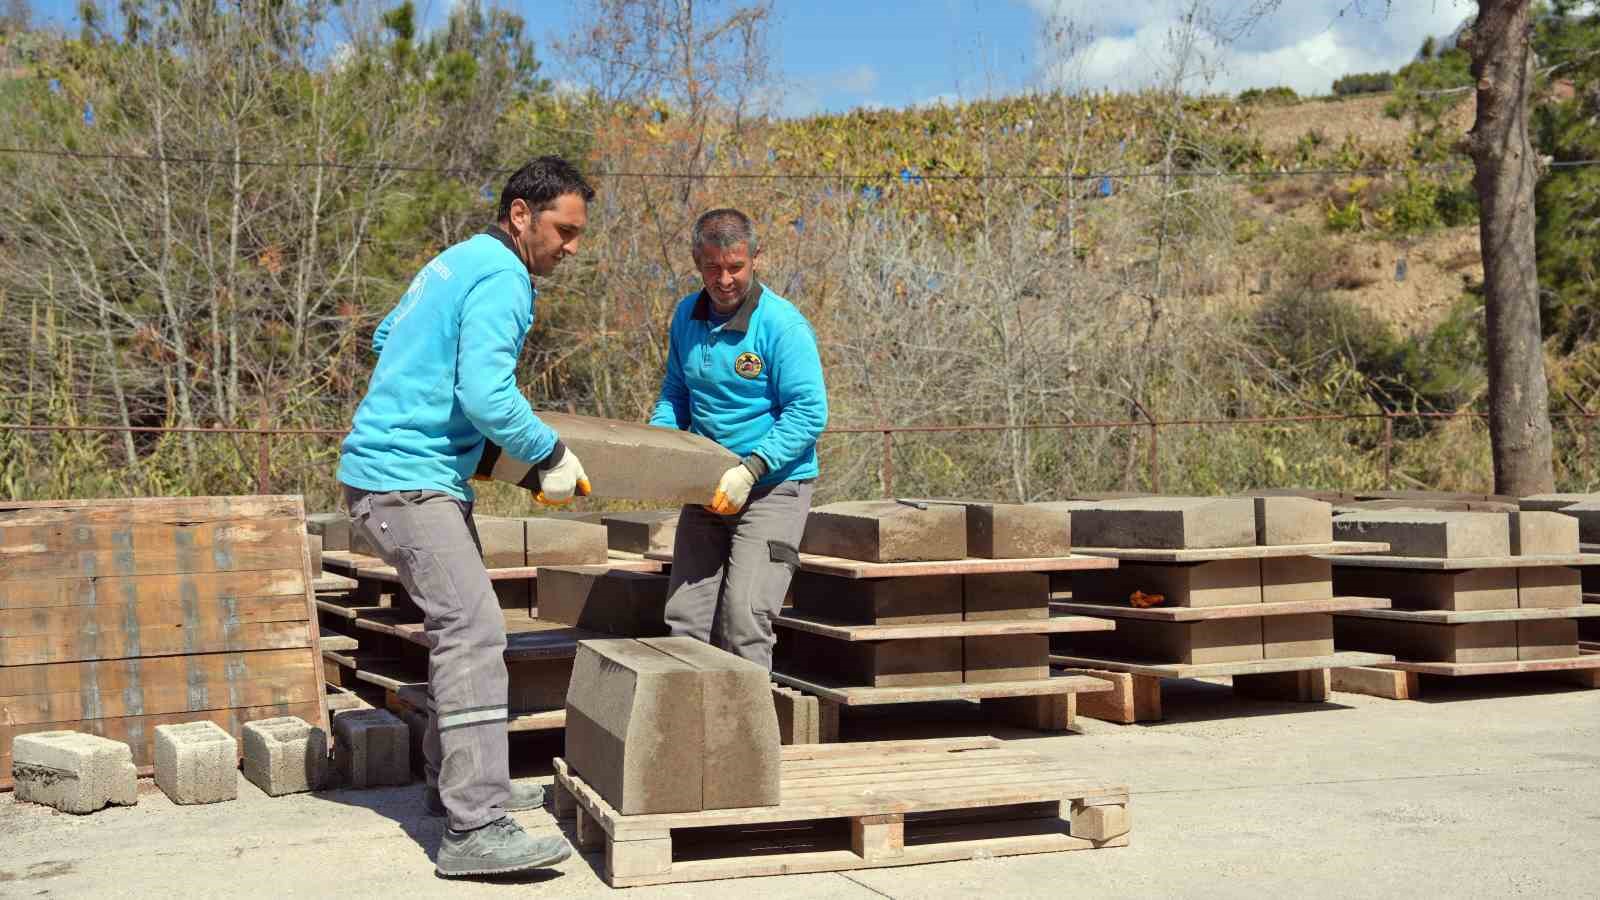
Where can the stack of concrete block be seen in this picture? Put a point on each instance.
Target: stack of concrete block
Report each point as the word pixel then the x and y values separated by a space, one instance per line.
pixel 332 527
pixel 197 762
pixel 651 531
pixel 672 725
pixel 884 531
pixel 1015 530
pixel 286 755
pixel 73 772
pixel 606 600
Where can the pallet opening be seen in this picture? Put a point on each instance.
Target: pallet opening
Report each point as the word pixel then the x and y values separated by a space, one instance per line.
pixel 775 839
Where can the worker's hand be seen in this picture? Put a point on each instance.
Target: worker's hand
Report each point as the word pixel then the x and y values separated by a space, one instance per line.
pixel 733 491
pixel 561 477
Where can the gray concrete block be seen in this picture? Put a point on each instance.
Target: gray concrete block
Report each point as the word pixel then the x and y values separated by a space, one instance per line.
pixel 1167 523
pixel 503 541
pixel 649 531
pixel 1006 596
pixel 918 600
pixel 610 601
pixel 1292 520
pixel 1549 587
pixel 1018 530
pixel 1547 639
pixel 73 772
pixel 886 531
pixel 1467 591
pixel 1290 578
pixel 1553 502
pixel 197 762
pixel 899 663
pixel 286 755
pixel 635 727
pixel 371 748
pixel 626 460
pixel 1588 515
pixel 1438 535
pixel 332 527
pixel 553 542
pixel 1220 582
pixel 1538 533
pixel 741 737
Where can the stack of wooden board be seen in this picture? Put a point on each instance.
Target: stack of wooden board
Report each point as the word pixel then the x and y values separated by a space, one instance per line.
pixel 1473 594
pixel 1208 587
pixel 117 616
pixel 911 617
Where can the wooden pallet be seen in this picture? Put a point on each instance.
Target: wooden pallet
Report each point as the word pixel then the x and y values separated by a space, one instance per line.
pixel 1122 610
pixel 1213 554
pixel 847 631
pixel 360 566
pixel 1402 680
pixel 859 806
pixel 855 568
pixel 1465 563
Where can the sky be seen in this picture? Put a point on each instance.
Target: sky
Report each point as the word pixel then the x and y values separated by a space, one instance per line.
pixel 837 55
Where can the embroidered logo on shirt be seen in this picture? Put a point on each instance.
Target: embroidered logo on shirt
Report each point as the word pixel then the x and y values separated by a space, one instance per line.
pixel 749 365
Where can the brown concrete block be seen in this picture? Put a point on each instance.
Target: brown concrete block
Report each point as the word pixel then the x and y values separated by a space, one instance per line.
pixel 870 663
pixel 1465 591
pixel 1291 578
pixel 538 684
pixel 514 593
pixel 332 527
pixel 612 601
pixel 502 541
pixel 1011 657
pixel 1146 641
pixel 1547 639
pixel 741 737
pixel 1223 582
pixel 1005 597
pixel 649 531
pixel 1426 642
pixel 636 727
pixel 1548 587
pixel 1441 535
pixel 1016 530
pixel 1292 520
pixel 1553 502
pixel 1536 533
pixel 886 531
pixel 1167 523
pixel 1291 637
pixel 1588 515
pixel 879 601
pixel 626 460
pixel 558 542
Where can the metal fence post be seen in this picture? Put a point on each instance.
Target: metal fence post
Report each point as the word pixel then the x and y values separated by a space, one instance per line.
pixel 1388 449
pixel 888 464
pixel 263 454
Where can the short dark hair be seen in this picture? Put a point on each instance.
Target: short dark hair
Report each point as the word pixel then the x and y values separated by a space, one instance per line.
pixel 540 182
pixel 724 228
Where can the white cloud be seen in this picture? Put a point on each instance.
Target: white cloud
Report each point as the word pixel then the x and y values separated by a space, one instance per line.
pixel 862 79
pixel 1305 44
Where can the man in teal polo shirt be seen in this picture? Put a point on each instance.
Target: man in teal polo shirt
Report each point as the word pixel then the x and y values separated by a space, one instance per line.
pixel 743 370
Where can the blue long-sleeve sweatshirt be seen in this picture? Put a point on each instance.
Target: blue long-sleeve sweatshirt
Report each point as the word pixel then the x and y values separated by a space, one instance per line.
pixel 752 383
pixel 446 375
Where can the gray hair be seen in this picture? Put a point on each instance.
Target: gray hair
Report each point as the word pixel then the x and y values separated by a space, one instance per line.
pixel 724 228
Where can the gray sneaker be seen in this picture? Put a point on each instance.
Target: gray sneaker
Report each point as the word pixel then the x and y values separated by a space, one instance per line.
pixel 498 848
pixel 523 797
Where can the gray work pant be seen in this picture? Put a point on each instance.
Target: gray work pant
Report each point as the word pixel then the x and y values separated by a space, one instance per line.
pixel 730 573
pixel 429 538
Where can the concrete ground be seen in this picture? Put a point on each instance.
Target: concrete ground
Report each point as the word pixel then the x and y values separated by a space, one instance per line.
pixel 1481 789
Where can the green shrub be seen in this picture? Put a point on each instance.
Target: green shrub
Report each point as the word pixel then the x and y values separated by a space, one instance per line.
pixel 1346 217
pixel 1363 83
pixel 1281 95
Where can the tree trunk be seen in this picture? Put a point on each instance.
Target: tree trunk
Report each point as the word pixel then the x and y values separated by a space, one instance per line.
pixel 1519 414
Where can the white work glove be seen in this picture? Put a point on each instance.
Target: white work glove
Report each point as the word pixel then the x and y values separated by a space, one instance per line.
pixel 561 477
pixel 733 491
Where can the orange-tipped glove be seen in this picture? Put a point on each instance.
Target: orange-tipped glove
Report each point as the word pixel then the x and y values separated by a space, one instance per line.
pixel 733 491
pixel 561 477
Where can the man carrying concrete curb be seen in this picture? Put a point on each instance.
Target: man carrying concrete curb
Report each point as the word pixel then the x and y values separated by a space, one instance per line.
pixel 446 381
pixel 743 370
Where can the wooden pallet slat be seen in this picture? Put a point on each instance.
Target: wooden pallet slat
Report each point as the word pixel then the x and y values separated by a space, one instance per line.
pixel 845 631
pixel 1205 613
pixel 1337 549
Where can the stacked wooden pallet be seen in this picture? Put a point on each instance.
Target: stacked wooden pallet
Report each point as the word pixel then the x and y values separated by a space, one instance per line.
pixel 1474 594
pixel 1208 587
pixel 117 616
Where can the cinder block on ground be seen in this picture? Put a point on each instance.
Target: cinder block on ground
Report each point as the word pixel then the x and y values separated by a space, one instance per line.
pixel 332 527
pixel 73 772
pixel 1547 587
pixel 1539 533
pixel 502 541
pixel 1006 596
pixel 626 460
pixel 886 531
pixel 558 542
pixel 1427 642
pixel 1547 639
pixel 1290 578
pixel 1147 641
pixel 1553 502
pixel 1464 591
pixel 611 601
pixel 1009 657
pixel 1167 523
pixel 1223 582
pixel 1292 520
pixel 1438 535
pixel 905 663
pixel 1291 637
pixel 1588 515
pixel 286 755
pixel 916 600
pixel 651 531
pixel 197 762
pixel 371 748
pixel 1015 530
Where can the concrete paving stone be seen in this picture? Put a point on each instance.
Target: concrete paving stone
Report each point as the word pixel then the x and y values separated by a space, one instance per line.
pixel 1547 639
pixel 502 540
pixel 371 748
pixel 918 600
pixel 1005 596
pixel 886 531
pixel 74 772
pixel 286 755
pixel 1437 535
pixel 1292 520
pixel 554 542
pixel 1427 642
pixel 649 531
pixel 1167 523
pixel 197 762
pixel 1536 533
pixel 1549 587
pixel 1553 502
pixel 610 601
pixel 332 527
pixel 1475 589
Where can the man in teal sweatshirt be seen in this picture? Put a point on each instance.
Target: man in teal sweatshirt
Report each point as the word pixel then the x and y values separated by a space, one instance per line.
pixel 742 369
pixel 445 382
